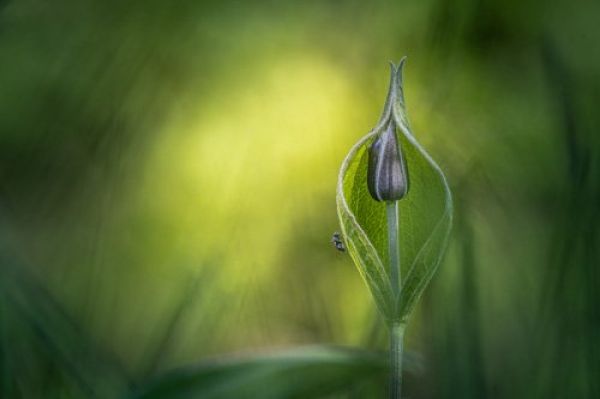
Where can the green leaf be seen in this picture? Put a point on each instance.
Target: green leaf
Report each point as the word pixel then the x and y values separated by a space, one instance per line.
pixel 309 372
pixel 425 214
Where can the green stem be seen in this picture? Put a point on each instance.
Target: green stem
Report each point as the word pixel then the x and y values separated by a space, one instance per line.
pixel 394 246
pixel 397 329
pixel 396 347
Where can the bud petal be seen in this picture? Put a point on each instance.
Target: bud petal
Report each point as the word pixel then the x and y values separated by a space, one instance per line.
pixel 387 177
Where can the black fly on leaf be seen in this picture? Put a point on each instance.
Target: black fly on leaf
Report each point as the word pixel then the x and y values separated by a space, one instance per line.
pixel 337 242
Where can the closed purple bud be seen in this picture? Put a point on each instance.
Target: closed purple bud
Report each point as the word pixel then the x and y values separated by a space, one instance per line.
pixel 387 176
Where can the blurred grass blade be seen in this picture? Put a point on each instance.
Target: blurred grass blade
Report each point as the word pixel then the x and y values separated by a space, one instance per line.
pixel 6 379
pixel 425 214
pixel 60 339
pixel 309 372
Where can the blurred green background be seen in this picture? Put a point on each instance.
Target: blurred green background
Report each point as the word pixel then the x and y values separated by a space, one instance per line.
pixel 167 188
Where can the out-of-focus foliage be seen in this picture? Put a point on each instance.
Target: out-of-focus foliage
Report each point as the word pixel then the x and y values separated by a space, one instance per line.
pixel 305 372
pixel 168 172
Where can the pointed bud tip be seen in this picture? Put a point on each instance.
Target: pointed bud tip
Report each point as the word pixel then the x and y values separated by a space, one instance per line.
pixel 396 67
pixel 400 69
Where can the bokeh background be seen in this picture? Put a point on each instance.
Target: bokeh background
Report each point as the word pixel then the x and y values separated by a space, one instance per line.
pixel 167 186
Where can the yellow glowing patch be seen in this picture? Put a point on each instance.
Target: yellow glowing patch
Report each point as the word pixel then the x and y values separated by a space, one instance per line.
pixel 230 177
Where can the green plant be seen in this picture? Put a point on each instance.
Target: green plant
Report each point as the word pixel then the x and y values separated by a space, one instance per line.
pixel 395 244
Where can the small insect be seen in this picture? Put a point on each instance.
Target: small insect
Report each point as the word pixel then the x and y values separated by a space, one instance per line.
pixel 337 242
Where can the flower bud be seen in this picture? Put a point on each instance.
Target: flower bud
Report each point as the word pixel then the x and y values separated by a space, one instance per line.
pixel 387 176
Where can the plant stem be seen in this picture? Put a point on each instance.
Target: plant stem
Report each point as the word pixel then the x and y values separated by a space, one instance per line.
pixel 394 246
pixel 397 329
pixel 396 348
